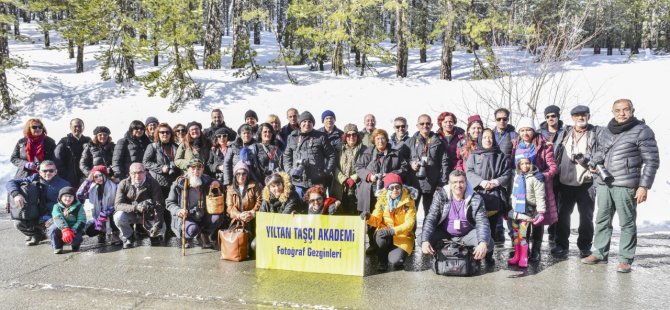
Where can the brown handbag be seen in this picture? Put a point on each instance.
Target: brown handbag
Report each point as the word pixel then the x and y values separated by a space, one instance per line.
pixel 214 201
pixel 234 242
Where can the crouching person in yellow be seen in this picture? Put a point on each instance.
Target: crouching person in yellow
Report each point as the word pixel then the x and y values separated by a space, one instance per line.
pixel 394 218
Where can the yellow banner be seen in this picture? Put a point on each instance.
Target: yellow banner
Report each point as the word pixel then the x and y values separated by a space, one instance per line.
pixel 311 243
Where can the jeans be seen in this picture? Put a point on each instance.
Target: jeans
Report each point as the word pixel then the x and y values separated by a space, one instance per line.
pixel 56 236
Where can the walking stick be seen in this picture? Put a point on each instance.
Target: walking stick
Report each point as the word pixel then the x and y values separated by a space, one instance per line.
pixel 183 221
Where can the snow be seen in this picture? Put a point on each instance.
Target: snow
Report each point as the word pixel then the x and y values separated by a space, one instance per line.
pixel 59 94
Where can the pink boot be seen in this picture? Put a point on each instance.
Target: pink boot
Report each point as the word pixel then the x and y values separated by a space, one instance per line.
pixel 515 260
pixel 523 258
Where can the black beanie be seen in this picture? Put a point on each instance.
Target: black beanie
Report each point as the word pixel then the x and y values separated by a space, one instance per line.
pixel 252 114
pixel 552 109
pixel 68 190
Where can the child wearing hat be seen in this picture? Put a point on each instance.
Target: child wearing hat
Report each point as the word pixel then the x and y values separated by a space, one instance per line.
pixel 69 220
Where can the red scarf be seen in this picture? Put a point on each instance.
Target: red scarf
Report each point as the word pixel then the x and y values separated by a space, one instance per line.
pixel 35 148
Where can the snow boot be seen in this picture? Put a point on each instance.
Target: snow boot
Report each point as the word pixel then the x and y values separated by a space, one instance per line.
pixel 515 260
pixel 523 257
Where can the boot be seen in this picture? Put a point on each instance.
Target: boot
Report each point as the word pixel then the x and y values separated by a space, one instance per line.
pixel 537 234
pixel 517 255
pixel 206 242
pixel 523 257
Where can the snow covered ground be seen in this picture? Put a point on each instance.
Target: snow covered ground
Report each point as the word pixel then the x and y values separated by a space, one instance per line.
pixel 59 94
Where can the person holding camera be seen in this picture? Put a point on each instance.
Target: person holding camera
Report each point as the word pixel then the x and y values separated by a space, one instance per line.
pixel 309 158
pixel 428 160
pixel 627 149
pixel 575 183
pixel 138 201
pixel 195 185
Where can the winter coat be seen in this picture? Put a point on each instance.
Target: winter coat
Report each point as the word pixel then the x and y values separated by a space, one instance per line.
pixel 128 150
pixel 568 169
pixel 506 139
pixel 75 220
pixel 335 137
pixel 285 132
pixel 155 158
pixel 437 164
pixel 314 148
pixel 545 163
pixel 185 153
pixel 401 220
pixel 365 137
pixel 475 212
pixel 210 132
pixel 371 162
pixel 95 154
pixel 554 138
pixel 67 156
pixel 625 154
pixel 450 144
pixel 398 143
pixel 486 165
pixel 250 202
pixel 216 159
pixel 48 190
pixel 19 157
pixel 88 195
pixel 346 168
pixel 256 172
pixel 535 199
pixel 330 207
pixel 287 203
pixel 175 200
pixel 269 160
pixel 127 196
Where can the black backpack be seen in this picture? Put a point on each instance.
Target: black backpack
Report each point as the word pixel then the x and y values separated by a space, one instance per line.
pixel 33 208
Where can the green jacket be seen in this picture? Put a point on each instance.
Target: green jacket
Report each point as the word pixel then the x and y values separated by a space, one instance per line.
pixel 75 220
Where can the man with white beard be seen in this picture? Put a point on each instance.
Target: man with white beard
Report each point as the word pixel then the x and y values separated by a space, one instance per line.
pixel 197 220
pixel 576 183
pixel 139 200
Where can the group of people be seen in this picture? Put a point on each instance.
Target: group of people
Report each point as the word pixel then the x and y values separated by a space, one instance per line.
pixel 471 183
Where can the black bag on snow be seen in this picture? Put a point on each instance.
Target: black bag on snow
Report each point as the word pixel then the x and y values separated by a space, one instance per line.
pixel 455 259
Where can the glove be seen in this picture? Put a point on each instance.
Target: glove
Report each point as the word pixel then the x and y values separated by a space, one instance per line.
pixel 538 219
pixel 387 232
pixel 30 166
pixel 539 176
pixel 365 216
pixel 68 235
pixel 349 183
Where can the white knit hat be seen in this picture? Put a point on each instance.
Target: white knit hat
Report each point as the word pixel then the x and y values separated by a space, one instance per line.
pixel 525 122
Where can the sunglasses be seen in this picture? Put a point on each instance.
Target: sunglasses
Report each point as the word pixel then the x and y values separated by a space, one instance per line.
pixel 241 174
pixel 315 200
pixel 395 187
pixel 502 119
pixel 164 132
pixel 425 124
pixel 182 130
pixel 138 128
pixel 48 170
pixel 222 136
pixel 351 135
pixel 35 127
pixel 401 126
pixel 551 116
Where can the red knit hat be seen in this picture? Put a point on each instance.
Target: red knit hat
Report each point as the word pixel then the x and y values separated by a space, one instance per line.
pixel 474 118
pixel 102 169
pixel 391 178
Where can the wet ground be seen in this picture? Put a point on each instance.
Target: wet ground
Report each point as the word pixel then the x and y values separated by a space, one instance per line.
pixel 147 277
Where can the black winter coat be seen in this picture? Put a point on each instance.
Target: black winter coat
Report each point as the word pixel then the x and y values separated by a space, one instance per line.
pixel 209 132
pixel 67 155
pixel 490 165
pixel 335 137
pixel 314 148
pixel 155 158
pixel 19 157
pixel 233 157
pixel 216 159
pixel 437 164
pixel 128 150
pixel 474 210
pixel 371 162
pixel 95 155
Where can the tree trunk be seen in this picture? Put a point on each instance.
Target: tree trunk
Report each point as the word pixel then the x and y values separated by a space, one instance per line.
pixel 70 48
pixel 596 48
pixel 80 57
pixel 422 31
pixel 280 19
pixel 212 52
pixel 610 46
pixel 5 96
pixel 402 50
pixel 447 44
pixel 17 14
pixel 47 41
pixel 240 36
pixel 257 33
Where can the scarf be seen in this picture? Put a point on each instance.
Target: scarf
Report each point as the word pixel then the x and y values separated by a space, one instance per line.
pixel 519 193
pixel 393 203
pixel 617 128
pixel 525 151
pixel 35 148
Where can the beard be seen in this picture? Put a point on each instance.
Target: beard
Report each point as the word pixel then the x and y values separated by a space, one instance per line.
pixel 194 181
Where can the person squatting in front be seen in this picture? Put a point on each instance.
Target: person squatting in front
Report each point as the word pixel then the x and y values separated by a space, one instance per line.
pixel 69 220
pixel 192 189
pixel 394 218
pixel 243 200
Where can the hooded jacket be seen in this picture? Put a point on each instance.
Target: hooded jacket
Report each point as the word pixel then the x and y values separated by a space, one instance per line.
pixel 287 203
pixel 402 220
pixel 535 199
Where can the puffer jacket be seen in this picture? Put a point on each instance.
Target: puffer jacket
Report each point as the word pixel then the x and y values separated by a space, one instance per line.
pixel 67 155
pixel 235 204
pixel 474 211
pixel 155 158
pixel 128 150
pixel 95 154
pixel 437 164
pixel 75 220
pixel 625 154
pixel 256 172
pixel 269 160
pixel 216 159
pixel 287 203
pixel 175 200
pixel 402 220
pixel 535 199
pixel 19 157
pixel 317 151
pixel 372 162
pixel 451 146
pixel 335 137
pixel 346 168
pixel 48 190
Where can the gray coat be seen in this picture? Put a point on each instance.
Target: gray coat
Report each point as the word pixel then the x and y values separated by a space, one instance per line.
pixel 154 160
pixel 315 149
pixel 437 164
pixel 625 154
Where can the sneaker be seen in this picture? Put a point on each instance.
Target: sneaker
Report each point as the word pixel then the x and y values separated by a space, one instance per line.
pixel 116 240
pixel 559 252
pixel 592 260
pixel 623 267
pixel 585 253
pixel 127 244
pixel 58 251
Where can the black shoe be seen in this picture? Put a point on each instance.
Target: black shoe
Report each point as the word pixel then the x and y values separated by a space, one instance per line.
pixel 534 256
pixel 585 253
pixel 127 244
pixel 35 240
pixel 500 238
pixel 28 238
pixel 383 266
pixel 206 242
pixel 559 252
pixel 155 241
pixel 102 238
pixel 75 248
pixel 489 259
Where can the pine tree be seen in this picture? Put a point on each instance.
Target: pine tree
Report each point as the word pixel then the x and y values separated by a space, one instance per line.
pixel 214 23
pixel 85 23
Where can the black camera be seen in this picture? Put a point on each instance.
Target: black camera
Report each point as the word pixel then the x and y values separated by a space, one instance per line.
pixel 580 159
pixel 380 182
pixel 604 174
pixel 421 174
pixel 298 171
pixel 171 168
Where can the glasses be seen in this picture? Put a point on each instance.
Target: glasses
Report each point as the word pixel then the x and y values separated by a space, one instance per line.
pixel 351 135
pixel 395 187
pixel 180 130
pixel 502 119
pixel 138 128
pixel 222 136
pixel 48 170
pixel 36 127
pixel 551 116
pixel 241 174
pixel 164 132
pixel 137 172
pixel 401 126
pixel 425 124
pixel 315 200
pixel 97 176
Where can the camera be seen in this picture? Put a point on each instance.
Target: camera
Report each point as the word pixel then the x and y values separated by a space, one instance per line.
pixel 604 174
pixel 171 168
pixel 421 174
pixel 298 170
pixel 380 182
pixel 580 159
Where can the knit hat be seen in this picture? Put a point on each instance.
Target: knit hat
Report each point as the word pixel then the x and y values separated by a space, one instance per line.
pixel 222 131
pixel 391 178
pixel 525 122
pixel 327 113
pixel 100 168
pixel 580 109
pixel 150 120
pixel 252 114
pixel 552 109
pixel 101 129
pixel 240 165
pixel 194 161
pixel 194 123
pixel 306 116
pixel 474 118
pixel 350 127
pixel 68 190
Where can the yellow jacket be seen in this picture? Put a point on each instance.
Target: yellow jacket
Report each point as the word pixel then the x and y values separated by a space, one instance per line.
pixel 402 220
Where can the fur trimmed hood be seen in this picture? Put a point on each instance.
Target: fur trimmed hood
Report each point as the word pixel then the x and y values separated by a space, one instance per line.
pixel 287 188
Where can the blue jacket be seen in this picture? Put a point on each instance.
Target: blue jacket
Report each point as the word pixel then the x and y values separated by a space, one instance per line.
pixel 49 189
